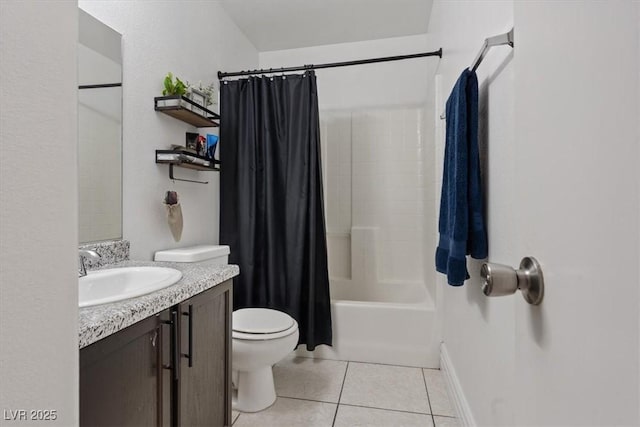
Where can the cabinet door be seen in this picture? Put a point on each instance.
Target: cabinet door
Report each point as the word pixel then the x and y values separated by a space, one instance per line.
pixel 122 380
pixel 205 367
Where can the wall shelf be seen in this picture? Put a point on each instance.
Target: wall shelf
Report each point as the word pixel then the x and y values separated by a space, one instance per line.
pixel 188 160
pixel 184 109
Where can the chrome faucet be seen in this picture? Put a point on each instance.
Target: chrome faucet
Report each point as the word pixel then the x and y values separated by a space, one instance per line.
pixel 82 255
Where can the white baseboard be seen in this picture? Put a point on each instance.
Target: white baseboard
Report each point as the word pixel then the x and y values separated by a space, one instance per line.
pixel 460 403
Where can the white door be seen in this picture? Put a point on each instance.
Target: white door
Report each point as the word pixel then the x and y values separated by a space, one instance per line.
pixel 577 175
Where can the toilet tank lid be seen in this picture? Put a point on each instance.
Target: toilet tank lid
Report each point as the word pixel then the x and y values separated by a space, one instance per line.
pixel 192 253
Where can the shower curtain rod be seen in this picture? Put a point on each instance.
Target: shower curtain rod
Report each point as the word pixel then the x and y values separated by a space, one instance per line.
pixel 222 75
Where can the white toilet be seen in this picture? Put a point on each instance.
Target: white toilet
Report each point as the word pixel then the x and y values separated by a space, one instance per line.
pixel 261 337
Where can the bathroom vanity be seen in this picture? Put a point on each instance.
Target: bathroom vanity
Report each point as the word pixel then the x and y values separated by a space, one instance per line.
pixel 162 359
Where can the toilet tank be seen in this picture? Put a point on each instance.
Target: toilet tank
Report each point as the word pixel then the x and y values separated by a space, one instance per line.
pixel 202 254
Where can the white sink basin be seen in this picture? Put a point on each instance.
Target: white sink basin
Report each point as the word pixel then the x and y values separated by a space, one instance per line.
pixel 117 284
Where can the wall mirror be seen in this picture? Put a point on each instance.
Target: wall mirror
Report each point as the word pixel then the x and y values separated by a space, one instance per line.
pixel 99 130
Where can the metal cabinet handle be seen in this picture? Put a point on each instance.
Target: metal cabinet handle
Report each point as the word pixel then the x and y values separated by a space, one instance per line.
pixel 173 332
pixel 175 350
pixel 189 355
pixel 500 280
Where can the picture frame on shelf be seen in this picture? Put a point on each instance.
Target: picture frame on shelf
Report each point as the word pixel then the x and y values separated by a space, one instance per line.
pixel 191 141
pixel 199 98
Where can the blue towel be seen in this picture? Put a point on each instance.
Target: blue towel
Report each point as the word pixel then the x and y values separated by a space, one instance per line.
pixel 461 226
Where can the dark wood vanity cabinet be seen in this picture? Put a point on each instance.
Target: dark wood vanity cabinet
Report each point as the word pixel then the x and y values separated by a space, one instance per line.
pixel 204 397
pixel 171 369
pixel 122 382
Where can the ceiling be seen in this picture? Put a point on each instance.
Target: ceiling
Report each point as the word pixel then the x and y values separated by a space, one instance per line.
pixel 287 24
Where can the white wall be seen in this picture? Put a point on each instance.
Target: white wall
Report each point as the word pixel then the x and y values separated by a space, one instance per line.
pixel 193 40
pixel 377 157
pixel 479 332
pixel 559 138
pixel 38 219
pixel 399 83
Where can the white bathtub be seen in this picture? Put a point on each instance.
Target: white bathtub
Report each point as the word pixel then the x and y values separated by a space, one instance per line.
pixel 384 323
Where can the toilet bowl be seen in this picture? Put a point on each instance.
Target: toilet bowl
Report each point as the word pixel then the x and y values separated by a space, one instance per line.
pixel 261 338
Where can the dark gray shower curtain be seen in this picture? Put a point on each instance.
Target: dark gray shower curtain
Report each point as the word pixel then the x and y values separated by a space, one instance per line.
pixel 271 207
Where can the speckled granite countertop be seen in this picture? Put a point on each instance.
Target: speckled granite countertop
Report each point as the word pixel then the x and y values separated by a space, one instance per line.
pixel 103 320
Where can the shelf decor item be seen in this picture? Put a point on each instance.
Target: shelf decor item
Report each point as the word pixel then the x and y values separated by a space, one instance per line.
pixel 191 142
pixel 201 146
pixel 174 214
pixel 212 142
pixel 174 90
pixel 172 87
pixel 199 98
pixel 207 92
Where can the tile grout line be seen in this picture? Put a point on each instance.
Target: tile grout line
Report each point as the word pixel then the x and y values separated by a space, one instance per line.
pixel 386 409
pixel 306 399
pixel 344 379
pixel 424 378
pixel 362 406
pixel 368 363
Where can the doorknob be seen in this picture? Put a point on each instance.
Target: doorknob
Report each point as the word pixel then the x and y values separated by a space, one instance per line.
pixel 500 280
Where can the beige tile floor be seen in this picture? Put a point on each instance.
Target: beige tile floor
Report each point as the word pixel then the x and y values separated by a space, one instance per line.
pixel 327 393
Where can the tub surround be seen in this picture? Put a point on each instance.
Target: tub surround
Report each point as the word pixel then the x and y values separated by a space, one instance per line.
pixel 377 324
pixel 101 321
pixel 110 251
pixel 376 317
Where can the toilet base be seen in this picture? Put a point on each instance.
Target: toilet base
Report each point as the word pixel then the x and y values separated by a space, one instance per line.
pixel 255 390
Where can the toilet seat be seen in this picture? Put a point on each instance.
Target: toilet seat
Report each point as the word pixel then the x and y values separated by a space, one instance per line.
pixel 262 324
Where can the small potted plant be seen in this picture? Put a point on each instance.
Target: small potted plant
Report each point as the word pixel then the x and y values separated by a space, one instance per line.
pixel 173 86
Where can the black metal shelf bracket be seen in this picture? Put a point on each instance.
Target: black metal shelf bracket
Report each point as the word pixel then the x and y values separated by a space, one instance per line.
pixel 179 179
